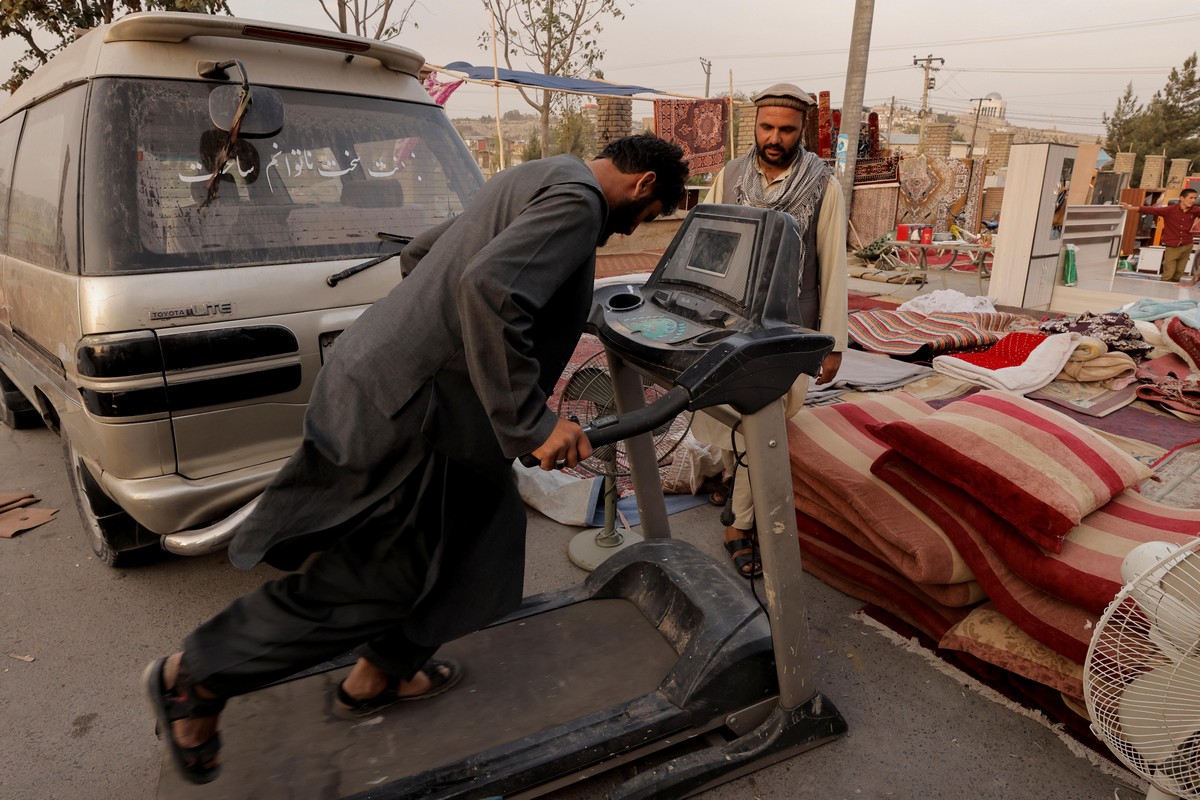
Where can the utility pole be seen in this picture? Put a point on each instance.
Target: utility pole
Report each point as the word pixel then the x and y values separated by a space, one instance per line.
pixel 706 65
pixel 978 107
pixel 929 81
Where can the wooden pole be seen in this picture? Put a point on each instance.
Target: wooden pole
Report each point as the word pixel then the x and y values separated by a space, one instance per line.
pixel 496 77
pixel 732 111
pixel 852 97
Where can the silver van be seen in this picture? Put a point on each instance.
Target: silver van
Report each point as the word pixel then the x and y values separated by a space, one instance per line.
pixel 192 208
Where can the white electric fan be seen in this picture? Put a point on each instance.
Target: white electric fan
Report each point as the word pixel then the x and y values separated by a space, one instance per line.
pixel 589 395
pixel 1142 673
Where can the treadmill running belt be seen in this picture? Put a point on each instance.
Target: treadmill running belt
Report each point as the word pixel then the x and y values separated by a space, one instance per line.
pixel 522 677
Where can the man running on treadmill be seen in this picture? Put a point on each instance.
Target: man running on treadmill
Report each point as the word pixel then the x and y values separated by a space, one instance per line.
pixel 403 482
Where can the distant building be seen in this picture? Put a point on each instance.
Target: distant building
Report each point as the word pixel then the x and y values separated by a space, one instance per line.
pixel 907 143
pixel 993 106
pixel 483 150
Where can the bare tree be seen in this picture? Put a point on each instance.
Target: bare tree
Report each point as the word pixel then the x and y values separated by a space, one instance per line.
pixel 47 26
pixel 373 19
pixel 560 36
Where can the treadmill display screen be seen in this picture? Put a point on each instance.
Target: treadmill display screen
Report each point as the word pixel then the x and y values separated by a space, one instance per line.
pixel 713 251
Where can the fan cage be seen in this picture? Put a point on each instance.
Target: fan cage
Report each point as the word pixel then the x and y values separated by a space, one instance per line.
pixel 1142 674
pixel 588 394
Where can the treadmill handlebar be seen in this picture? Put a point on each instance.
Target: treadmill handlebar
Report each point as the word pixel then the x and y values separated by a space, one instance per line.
pixel 614 427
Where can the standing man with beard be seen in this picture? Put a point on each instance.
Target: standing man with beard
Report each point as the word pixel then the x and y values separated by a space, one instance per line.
pixel 780 174
pixel 403 482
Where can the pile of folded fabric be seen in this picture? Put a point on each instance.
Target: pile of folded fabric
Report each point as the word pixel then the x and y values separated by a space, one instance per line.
pixel 929 513
pixel 913 336
pixel 1163 337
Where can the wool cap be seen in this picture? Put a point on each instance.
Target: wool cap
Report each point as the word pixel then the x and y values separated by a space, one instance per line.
pixel 787 95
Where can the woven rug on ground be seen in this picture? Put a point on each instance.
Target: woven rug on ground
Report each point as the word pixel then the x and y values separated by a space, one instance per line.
pixel 1135 421
pixel 1178 474
pixel 857 301
pixel 933 189
pixel 698 126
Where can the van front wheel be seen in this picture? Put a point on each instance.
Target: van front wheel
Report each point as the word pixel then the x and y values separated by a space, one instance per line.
pixel 16 411
pixel 116 538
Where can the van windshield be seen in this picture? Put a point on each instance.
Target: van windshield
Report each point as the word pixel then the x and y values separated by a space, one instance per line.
pixel 342 168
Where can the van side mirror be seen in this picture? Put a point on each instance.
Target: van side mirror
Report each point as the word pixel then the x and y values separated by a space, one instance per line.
pixel 263 117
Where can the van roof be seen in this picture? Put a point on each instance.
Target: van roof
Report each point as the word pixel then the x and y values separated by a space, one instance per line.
pixel 148 44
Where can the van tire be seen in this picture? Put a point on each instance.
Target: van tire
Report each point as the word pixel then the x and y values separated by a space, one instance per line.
pixel 116 538
pixel 15 410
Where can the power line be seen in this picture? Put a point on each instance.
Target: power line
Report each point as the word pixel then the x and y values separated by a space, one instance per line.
pixel 948 43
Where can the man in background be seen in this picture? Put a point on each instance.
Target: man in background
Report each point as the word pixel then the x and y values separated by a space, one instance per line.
pixel 1177 237
pixel 779 173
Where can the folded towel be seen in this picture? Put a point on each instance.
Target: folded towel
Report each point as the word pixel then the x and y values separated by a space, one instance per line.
pixel 1088 348
pixel 1109 365
pixel 866 372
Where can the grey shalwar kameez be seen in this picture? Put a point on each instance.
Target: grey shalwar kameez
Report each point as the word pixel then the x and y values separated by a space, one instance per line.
pixel 404 475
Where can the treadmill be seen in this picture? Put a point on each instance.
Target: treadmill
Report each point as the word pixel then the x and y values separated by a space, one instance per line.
pixel 661 648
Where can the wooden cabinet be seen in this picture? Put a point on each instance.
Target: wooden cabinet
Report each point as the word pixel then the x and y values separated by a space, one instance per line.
pixel 1140 229
pixel 1032 224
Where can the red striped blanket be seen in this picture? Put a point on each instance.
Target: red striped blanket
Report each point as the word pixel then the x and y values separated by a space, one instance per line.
pixel 908 334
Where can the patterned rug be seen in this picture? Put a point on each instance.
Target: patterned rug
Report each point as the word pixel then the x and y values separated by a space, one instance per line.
pixel 876 170
pixel 872 212
pixel 812 127
pixel 1179 478
pixel 933 189
pixel 908 335
pixel 824 126
pixel 974 199
pixel 699 127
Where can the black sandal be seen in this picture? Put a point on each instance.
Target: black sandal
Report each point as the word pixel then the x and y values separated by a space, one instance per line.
pixel 744 554
pixel 439 682
pixel 182 702
pixel 720 495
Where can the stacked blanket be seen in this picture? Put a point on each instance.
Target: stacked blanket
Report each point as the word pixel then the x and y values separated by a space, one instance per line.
pixel 910 335
pixel 927 514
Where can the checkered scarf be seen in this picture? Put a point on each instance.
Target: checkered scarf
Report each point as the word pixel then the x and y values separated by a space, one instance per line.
pixel 799 195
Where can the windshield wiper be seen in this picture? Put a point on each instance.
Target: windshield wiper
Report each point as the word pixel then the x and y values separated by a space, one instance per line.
pixel 399 238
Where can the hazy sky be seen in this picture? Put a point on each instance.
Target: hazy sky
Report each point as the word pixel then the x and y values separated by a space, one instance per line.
pixel 1056 62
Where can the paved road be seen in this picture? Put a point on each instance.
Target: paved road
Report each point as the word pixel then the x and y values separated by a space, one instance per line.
pixel 74 726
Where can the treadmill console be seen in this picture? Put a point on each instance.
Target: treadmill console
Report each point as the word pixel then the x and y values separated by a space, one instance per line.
pixel 724 291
